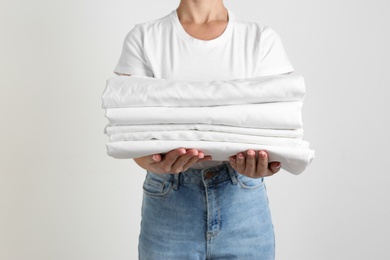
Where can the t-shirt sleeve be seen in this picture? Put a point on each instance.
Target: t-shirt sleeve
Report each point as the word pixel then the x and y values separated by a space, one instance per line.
pixel 273 57
pixel 132 60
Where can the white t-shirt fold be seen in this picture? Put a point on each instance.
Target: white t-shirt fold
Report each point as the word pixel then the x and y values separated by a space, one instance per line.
pixel 280 115
pixel 292 133
pixel 293 160
pixel 192 135
pixel 138 90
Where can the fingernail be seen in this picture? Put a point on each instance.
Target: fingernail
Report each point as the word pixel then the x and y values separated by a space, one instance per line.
pixel 155 157
pixel 240 156
pixel 262 154
pixel 278 166
pixel 250 153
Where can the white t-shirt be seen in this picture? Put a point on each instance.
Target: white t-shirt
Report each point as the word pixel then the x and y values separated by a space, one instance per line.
pixel 162 49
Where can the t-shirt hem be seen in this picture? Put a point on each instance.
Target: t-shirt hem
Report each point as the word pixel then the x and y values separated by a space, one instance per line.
pixel 281 70
pixel 132 71
pixel 207 164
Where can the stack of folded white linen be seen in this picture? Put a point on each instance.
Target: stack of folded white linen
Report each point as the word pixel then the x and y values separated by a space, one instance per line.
pixel 220 118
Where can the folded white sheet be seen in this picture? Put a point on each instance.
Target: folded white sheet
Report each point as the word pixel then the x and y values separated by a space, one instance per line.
pixel 292 133
pixel 191 135
pixel 137 90
pixel 277 115
pixel 293 160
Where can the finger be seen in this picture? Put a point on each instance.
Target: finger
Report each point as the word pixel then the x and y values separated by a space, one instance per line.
pixel 233 163
pixel 155 158
pixel 240 161
pixel 262 164
pixel 274 167
pixel 178 165
pixel 206 158
pixel 250 163
pixel 190 162
pixel 202 157
pixel 170 158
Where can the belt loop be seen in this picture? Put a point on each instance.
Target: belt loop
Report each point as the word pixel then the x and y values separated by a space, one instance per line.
pixel 176 181
pixel 233 174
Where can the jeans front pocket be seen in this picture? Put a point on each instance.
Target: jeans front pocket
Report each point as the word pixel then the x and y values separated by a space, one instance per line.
pixel 157 185
pixel 250 183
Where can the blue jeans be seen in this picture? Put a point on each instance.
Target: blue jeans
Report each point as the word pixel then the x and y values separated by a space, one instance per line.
pixel 213 213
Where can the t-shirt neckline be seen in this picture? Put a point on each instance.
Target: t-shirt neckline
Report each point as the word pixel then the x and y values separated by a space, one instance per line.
pixel 224 36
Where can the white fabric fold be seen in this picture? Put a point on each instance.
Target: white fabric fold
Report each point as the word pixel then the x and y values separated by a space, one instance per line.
pixel 293 160
pixel 191 135
pixel 292 133
pixel 137 90
pixel 276 115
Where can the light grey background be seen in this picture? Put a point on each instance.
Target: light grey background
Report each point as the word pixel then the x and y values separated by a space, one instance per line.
pixel 63 197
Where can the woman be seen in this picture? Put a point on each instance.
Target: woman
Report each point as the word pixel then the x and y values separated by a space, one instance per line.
pixel 194 207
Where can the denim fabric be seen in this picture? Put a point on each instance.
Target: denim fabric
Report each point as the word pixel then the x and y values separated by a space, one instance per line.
pixel 212 213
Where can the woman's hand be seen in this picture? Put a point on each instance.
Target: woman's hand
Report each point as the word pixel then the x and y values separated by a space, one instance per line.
pixel 175 161
pixel 246 164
